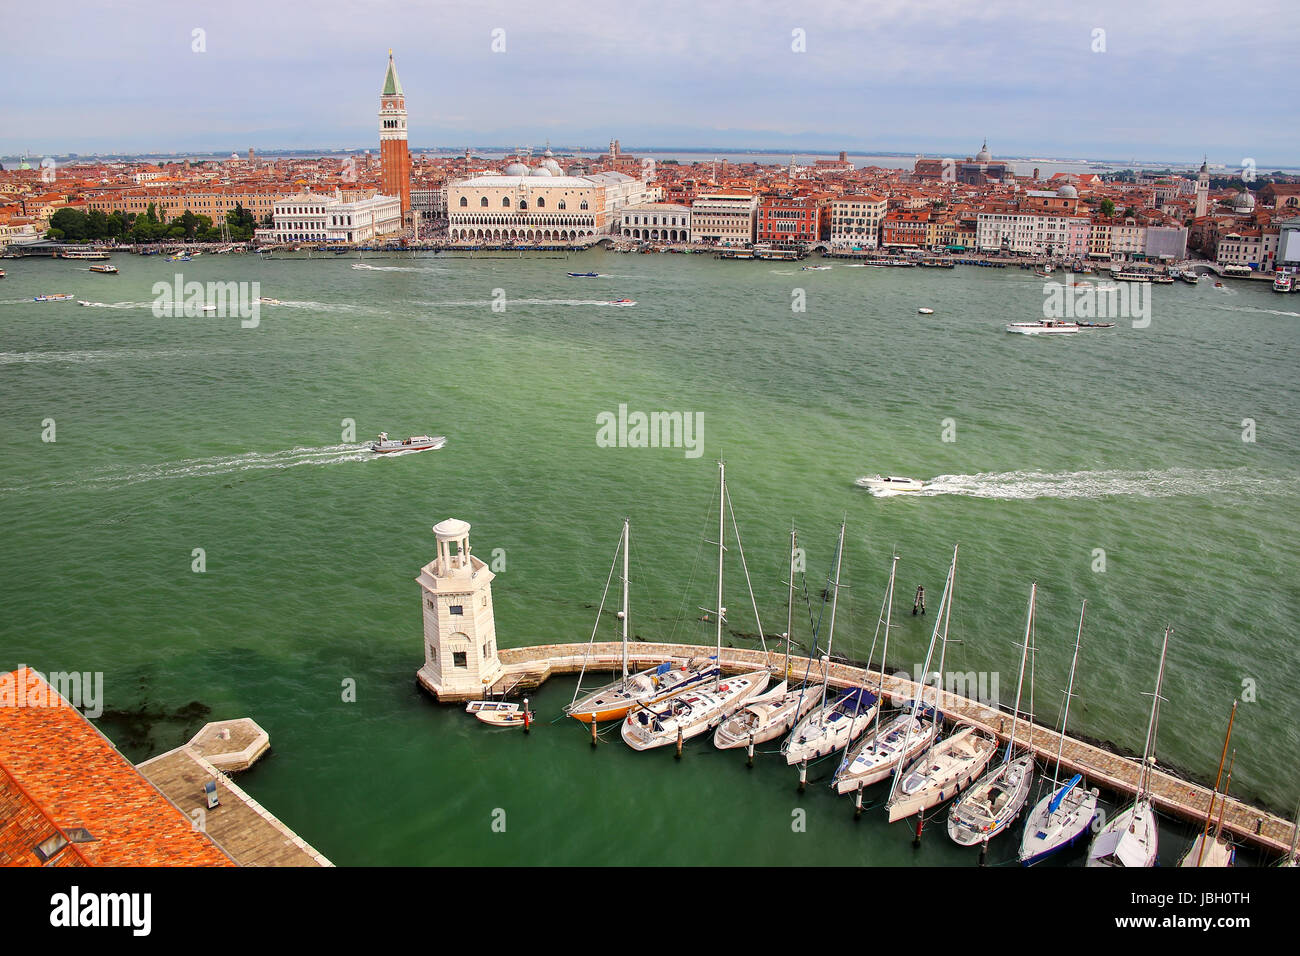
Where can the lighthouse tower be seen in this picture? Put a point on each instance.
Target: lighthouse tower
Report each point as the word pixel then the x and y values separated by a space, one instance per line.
pixel 460 640
pixel 394 154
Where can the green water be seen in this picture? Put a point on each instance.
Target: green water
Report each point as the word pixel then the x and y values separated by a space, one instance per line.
pixel 175 434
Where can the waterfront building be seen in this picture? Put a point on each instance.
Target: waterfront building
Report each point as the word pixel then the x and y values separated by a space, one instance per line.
pixel 1013 228
pixel 905 229
pixel 726 219
pixel 394 152
pixel 855 220
pixel 319 217
pixel 786 220
pixel 1254 246
pixel 656 222
pixel 537 204
pixel 460 645
pixel 211 201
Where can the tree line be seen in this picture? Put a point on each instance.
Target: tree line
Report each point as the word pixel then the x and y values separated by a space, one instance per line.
pixel 74 225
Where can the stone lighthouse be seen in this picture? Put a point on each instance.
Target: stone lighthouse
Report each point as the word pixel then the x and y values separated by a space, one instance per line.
pixel 460 641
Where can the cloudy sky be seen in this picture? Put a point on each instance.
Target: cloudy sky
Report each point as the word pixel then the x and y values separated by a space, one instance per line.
pixel 1166 80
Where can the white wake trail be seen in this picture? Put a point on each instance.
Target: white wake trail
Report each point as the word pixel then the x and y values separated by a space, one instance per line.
pixel 1021 485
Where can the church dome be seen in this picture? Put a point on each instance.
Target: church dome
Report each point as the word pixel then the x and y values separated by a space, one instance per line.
pixel 984 156
pixel 539 171
pixel 1243 201
pixel 1067 192
pixel 553 166
pixel 516 169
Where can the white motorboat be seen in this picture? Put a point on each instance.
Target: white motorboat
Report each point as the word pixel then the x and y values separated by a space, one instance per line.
pixel 385 445
pixel 1043 327
pixel 1130 837
pixel 267 301
pixel 504 706
pixel 925 311
pixel 874 483
pixel 1064 814
pixel 623 303
pixel 816 268
pixel 614 700
pixel 690 713
pixel 509 716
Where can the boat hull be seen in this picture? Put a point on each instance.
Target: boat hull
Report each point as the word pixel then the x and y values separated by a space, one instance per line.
pixel 691 713
pixel 598 707
pixel 1047 833
pixel 830 727
pixel 876 759
pixel 922 789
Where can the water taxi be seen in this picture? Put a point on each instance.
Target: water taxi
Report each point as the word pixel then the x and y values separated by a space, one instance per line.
pixel 1043 327
pixel 1283 282
pixel 890 483
pixel 385 445
pixel 1189 276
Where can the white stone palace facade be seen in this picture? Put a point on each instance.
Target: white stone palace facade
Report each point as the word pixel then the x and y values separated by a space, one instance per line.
pixel 538 205
pixel 657 222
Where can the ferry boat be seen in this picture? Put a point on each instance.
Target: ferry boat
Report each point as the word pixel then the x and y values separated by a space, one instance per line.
pixel 623 302
pixel 82 254
pixel 1043 327
pixel 1190 277
pixel 385 445
pixel 890 483
pixel 584 275
pixel 1282 282
pixel 1130 276
pixel 104 269
pixel 53 297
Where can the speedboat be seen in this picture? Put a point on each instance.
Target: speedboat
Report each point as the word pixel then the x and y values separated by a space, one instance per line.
pixel 623 302
pixel 178 258
pixel 1043 327
pixel 584 275
pixel 925 311
pixel 816 268
pixel 265 301
pixel 385 445
pixel 53 297
pixel 890 483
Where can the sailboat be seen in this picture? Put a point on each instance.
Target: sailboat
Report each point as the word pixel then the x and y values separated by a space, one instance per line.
pixel 1130 838
pixel 948 765
pixel 649 686
pixel 769 715
pixel 877 754
pixel 997 798
pixel 1207 850
pixel 832 724
pixel 699 709
pixel 1063 815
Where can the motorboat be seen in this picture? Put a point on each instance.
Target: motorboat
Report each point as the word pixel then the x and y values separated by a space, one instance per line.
pixel 925 311
pixel 1095 325
pixel 874 483
pixel 815 268
pixel 265 301
pixel 500 713
pixel 385 445
pixel 584 275
pixel 1283 282
pixel 106 269
pixel 623 302
pixel 53 297
pixel 1043 327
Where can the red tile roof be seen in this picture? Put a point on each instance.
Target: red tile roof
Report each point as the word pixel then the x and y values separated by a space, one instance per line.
pixel 57 773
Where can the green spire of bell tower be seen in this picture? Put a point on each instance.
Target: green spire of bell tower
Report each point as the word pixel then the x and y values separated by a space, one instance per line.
pixel 392 85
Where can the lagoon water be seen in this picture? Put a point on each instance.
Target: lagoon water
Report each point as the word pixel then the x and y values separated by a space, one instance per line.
pixel 178 434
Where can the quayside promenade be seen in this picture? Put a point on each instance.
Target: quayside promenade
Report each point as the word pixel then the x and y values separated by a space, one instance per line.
pixel 528 667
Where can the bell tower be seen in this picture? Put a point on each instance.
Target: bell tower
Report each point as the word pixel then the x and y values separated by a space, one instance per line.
pixel 1203 189
pixel 394 153
pixel 460 641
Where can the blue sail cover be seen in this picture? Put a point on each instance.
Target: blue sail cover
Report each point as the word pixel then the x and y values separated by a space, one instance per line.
pixel 1060 795
pixel 663 668
pixel 857 700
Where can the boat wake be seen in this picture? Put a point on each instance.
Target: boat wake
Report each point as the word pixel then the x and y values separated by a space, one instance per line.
pixel 1248 308
pixel 1020 485
pixel 369 268
pixel 83 356
pixel 488 303
pixel 221 465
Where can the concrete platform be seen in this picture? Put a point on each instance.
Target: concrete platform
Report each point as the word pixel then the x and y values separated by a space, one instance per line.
pixel 231 745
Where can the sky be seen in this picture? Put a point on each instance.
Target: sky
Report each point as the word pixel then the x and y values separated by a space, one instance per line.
pixel 1157 80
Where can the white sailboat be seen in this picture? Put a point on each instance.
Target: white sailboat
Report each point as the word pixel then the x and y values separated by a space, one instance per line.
pixel 1207 849
pixel 769 715
pixel 700 709
pixel 876 755
pixel 1061 817
pixel 997 798
pixel 1130 838
pixel 612 701
pixel 833 723
pixel 948 765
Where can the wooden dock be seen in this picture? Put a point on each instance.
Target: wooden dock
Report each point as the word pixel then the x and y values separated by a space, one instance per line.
pixel 527 667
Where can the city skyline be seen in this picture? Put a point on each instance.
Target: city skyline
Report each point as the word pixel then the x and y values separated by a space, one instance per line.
pixel 893 78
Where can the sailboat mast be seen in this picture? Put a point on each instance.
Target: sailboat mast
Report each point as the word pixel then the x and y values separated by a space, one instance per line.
pixel 884 653
pixel 722 530
pixel 1144 774
pixel 1217 777
pixel 943 648
pixel 1024 656
pixel 1223 800
pixel 835 600
pixel 1069 692
pixel 626 522
pixel 789 617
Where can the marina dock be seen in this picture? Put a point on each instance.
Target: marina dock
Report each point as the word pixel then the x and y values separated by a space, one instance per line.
pixel 528 667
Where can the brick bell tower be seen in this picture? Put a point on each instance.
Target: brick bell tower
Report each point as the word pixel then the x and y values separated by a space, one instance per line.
pixel 394 154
